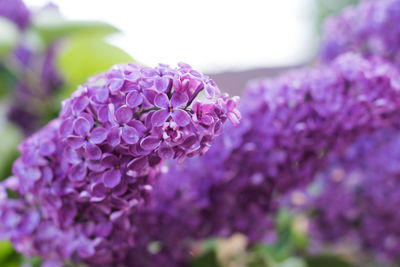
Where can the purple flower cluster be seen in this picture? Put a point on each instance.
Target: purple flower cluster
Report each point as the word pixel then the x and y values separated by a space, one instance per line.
pixel 36 78
pixel 84 176
pixel 370 28
pixel 289 126
pixel 363 184
pixel 16 11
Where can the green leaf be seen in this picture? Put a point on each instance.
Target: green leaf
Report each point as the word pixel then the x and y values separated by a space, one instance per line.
pixel 50 26
pixel 327 261
pixel 209 259
pixel 8 256
pixel 7 82
pixel 85 57
pixel 10 138
pixel 6 250
pixel 8 37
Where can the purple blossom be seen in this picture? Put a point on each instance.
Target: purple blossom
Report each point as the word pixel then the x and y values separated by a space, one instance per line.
pixel 16 11
pixel 369 28
pixel 290 125
pixel 363 183
pixel 89 172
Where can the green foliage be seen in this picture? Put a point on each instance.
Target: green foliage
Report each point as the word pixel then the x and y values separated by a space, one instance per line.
pixel 329 7
pixel 51 26
pixel 209 259
pixel 327 261
pixel 83 57
pixel 10 138
pixel 8 256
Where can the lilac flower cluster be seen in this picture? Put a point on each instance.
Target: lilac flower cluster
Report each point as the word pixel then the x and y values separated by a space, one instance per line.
pixel 15 11
pixel 363 183
pixel 370 28
pixel 84 176
pixel 36 77
pixel 289 126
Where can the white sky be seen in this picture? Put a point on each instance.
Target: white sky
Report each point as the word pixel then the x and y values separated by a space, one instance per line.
pixel 211 35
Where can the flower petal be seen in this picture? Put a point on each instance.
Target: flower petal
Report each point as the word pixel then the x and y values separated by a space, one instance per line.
pixel 98 135
pixel 150 143
pixel 115 84
pixel 134 99
pixel 114 136
pixel 78 173
pixel 165 152
pixel 162 84
pixel 75 142
pixel 138 164
pixel 161 100
pixel 112 178
pixel 159 117
pixel 181 117
pixel 93 152
pixel 179 100
pixel 66 127
pixel 82 127
pixel 123 114
pixel 130 135
pixel 109 160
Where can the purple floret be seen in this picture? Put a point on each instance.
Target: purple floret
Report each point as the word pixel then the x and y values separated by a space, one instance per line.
pixel 370 28
pixel 16 11
pixel 87 173
pixel 289 126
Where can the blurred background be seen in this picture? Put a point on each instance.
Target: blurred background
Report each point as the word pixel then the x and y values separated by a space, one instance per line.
pixel 43 61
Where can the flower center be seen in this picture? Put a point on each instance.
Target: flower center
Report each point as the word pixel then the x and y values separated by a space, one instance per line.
pixel 171 109
pixel 117 166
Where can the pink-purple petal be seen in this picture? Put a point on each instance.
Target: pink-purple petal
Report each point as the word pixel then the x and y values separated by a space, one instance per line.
pixel 161 100
pixel 98 135
pixel 159 117
pixel 75 141
pixel 150 143
pixel 114 136
pixel 123 114
pixel 181 117
pixel 78 173
pixel 134 99
pixel 179 100
pixel 81 127
pixel 112 178
pixel 93 152
pixel 129 135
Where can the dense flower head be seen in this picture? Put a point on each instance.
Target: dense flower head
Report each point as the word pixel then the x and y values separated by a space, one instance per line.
pixel 370 28
pixel 16 11
pixel 363 184
pixel 290 124
pixel 87 172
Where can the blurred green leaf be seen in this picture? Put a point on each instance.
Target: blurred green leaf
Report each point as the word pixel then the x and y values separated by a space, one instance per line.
pixel 8 256
pixel 10 138
pixel 209 259
pixel 5 250
pixel 50 32
pixel 327 261
pixel 8 37
pixel 50 26
pixel 6 82
pixel 84 57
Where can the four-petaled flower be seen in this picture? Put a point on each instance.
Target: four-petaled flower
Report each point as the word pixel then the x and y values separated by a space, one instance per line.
pixel 171 108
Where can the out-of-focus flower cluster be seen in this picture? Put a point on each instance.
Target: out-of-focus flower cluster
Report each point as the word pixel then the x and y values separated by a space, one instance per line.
pixel 36 77
pixel 289 126
pixel 370 28
pixel 82 177
pixel 15 11
pixel 357 196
